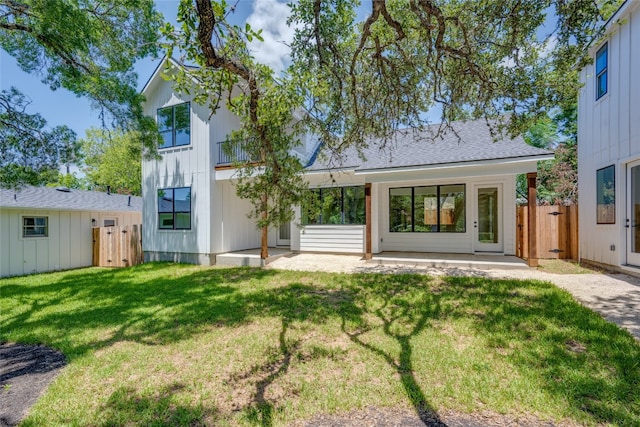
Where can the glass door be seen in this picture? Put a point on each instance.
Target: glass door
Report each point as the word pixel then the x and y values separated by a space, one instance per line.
pixel 284 235
pixel 488 221
pixel 633 214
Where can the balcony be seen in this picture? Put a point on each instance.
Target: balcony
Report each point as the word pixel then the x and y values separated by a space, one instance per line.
pixel 226 157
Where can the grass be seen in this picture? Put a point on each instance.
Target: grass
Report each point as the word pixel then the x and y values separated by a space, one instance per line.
pixel 162 344
pixel 562 266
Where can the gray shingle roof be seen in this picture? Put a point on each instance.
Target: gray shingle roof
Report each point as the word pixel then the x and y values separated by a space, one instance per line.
pixel 471 142
pixel 75 200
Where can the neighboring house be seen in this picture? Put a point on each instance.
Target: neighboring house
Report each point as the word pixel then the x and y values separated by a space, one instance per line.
pixel 456 194
pixel 609 146
pixel 47 229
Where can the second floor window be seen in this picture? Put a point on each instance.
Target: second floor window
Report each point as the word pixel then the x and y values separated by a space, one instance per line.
pixel 601 71
pixel 174 124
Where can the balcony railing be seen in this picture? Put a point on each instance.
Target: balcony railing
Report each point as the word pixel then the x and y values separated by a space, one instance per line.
pixel 226 157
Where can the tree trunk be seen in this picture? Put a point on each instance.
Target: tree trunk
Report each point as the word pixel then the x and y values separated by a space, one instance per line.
pixel 264 250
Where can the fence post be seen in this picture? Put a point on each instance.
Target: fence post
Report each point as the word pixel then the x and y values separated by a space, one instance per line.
pixel 533 238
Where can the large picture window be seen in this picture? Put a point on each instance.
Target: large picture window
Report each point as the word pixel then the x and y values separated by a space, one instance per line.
pixel 335 205
pixel 174 208
pixel 35 226
pixel 601 71
pixel 175 125
pixel 429 209
pixel 606 195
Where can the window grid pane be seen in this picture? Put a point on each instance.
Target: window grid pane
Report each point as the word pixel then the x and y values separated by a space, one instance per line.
pixel 174 208
pixel 452 204
pixel 606 195
pixel 400 210
pixel 35 226
pixel 334 205
pixel 425 207
pixel 601 71
pixel 174 124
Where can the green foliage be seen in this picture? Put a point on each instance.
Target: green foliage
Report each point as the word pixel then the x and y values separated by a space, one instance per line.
pixel 558 178
pixel 69 180
pixel 465 59
pixel 30 152
pixel 113 158
pixel 88 47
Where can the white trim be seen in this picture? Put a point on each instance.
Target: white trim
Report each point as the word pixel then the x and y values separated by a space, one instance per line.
pixel 158 71
pixel 455 165
pixel 492 248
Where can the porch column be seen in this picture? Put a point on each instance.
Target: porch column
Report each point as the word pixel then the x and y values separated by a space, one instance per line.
pixel 533 233
pixel 367 215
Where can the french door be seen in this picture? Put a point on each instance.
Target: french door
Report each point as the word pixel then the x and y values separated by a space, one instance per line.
pixel 284 235
pixel 487 225
pixel 632 222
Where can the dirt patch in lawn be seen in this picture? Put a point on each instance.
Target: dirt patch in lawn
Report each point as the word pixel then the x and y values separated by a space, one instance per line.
pixel 25 372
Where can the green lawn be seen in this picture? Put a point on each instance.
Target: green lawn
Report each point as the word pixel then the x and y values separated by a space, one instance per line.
pixel 162 344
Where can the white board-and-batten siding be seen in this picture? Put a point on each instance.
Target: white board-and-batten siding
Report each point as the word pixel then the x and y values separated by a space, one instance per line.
pixel 69 242
pixel 609 134
pixel 184 166
pixel 332 238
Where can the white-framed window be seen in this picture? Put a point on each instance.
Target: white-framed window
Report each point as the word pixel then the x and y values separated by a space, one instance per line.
pixel 174 123
pixel 109 222
pixel 35 226
pixel 602 63
pixel 174 208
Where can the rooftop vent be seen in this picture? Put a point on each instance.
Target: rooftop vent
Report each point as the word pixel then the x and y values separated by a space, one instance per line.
pixel 64 189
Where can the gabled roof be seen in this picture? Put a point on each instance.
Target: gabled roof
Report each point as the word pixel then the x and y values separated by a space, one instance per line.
pixel 157 73
pixel 74 200
pixel 409 148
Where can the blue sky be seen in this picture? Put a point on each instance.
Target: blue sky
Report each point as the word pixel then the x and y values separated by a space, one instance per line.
pixel 61 107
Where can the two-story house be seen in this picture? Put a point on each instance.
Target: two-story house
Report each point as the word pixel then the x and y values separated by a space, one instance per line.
pixel 609 145
pixel 455 194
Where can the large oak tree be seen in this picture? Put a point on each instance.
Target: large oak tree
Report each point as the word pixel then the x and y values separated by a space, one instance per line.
pixel 508 61
pixel 88 47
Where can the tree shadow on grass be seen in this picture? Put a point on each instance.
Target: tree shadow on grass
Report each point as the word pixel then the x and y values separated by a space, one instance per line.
pixel 572 352
pixel 295 302
pixel 405 308
pixel 149 304
pixel 552 338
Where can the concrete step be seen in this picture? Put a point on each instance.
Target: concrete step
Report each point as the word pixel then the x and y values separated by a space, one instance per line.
pixel 482 262
pixel 250 257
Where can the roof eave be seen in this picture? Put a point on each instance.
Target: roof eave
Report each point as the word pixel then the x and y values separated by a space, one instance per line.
pixel 470 163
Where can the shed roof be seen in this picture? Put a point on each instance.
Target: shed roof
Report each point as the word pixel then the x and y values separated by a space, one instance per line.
pixel 74 200
pixel 465 142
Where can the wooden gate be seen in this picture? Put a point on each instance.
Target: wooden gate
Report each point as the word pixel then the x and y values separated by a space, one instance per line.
pixel 557 232
pixel 119 246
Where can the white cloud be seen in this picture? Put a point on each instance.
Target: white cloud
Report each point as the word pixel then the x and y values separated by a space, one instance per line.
pixel 544 48
pixel 271 16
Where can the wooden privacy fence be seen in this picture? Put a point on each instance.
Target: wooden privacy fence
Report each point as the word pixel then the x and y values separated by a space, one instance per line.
pixel 119 246
pixel 557 232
